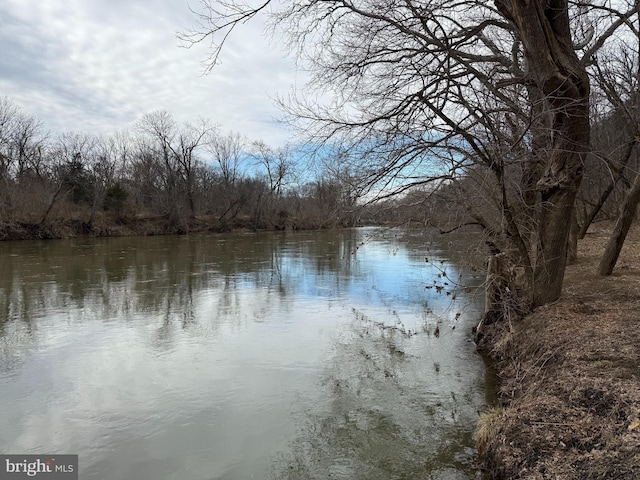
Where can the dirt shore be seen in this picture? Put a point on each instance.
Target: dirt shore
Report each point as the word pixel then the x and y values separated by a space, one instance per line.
pixel 569 401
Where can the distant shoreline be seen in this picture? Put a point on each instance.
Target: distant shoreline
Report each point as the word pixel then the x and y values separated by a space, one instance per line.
pixel 140 226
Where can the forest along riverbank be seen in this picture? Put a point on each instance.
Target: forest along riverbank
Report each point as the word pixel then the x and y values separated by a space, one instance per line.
pixel 105 226
pixel 569 401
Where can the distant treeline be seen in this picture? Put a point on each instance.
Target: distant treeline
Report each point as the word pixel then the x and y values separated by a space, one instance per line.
pixel 160 177
pixel 163 177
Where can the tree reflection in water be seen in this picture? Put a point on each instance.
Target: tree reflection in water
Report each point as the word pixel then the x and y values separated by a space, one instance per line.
pixel 214 350
pixel 387 413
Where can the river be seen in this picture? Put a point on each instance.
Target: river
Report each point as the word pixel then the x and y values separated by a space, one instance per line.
pixel 282 355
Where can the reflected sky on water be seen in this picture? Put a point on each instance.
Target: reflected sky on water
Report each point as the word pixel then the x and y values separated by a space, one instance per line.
pixel 270 355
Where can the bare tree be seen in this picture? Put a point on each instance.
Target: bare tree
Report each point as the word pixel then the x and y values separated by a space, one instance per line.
pixel 619 83
pixel 499 86
pixel 161 129
pixel 189 141
pixel 177 149
pixel 616 124
pixel 112 156
pixel 146 176
pixel 621 228
pixel 8 115
pixel 69 176
pixel 22 141
pixel 277 164
pixel 228 154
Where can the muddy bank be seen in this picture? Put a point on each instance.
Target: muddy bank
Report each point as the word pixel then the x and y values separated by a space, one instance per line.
pixel 569 401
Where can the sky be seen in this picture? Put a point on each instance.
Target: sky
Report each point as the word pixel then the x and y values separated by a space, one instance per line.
pixel 96 66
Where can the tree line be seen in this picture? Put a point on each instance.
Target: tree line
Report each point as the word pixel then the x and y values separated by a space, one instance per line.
pixel 162 176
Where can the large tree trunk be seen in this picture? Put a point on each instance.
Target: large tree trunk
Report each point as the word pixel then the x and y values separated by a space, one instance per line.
pixel 543 27
pixel 612 252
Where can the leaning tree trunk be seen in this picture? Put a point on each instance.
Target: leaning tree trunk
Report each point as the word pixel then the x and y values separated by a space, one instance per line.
pixel 543 27
pixel 609 188
pixel 54 198
pixel 625 219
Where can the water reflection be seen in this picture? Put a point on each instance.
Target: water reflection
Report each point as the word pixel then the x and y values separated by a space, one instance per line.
pixel 211 356
pixel 395 402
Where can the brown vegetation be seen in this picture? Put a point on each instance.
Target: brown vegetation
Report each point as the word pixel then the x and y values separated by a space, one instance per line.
pixel 164 177
pixel 569 402
pixel 104 225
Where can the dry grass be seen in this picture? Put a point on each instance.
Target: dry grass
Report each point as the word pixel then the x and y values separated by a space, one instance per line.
pixel 570 383
pixel 488 427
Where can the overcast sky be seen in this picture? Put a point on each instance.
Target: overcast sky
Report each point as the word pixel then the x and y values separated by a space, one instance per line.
pixel 98 65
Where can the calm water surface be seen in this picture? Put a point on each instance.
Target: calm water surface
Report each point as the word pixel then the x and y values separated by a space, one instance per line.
pixel 312 355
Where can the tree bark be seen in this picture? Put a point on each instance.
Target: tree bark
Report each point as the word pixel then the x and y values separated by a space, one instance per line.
pixel 572 247
pixel 543 27
pixel 625 219
pixel 497 283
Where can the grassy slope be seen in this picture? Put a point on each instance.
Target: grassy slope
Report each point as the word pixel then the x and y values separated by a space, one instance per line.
pixel 570 379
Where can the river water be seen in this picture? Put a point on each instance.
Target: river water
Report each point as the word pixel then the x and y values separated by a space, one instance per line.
pixel 290 355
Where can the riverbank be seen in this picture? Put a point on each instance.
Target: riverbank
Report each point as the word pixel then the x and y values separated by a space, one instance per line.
pixel 105 226
pixel 569 401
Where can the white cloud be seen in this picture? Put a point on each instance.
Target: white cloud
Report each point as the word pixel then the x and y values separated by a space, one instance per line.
pixel 96 66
